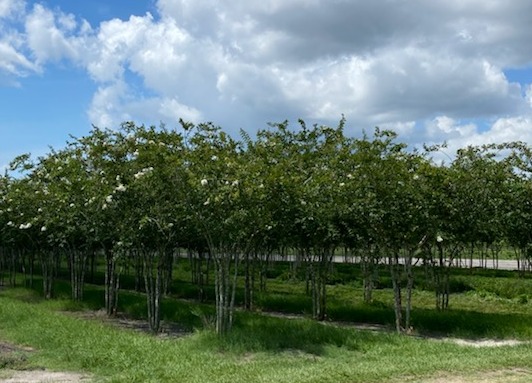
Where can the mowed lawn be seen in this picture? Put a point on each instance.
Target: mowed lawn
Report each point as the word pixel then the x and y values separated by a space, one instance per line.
pixel 263 348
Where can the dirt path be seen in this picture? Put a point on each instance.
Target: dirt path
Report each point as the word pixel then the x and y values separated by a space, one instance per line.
pixel 502 376
pixel 13 360
pixel 42 376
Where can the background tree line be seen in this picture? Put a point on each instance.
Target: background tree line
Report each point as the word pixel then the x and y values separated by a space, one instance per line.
pixel 141 197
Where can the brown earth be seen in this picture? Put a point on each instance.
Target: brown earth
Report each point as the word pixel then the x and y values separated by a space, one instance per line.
pixel 12 360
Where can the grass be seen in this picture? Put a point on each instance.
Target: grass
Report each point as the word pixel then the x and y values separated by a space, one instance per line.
pixel 261 349
pixel 485 304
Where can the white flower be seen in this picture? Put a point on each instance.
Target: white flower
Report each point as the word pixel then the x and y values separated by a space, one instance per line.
pixel 350 176
pixel 39 210
pixel 415 177
pixel 214 158
pixel 10 223
pixel 439 239
pixel 25 226
pixel 204 182
pixel 136 153
pixel 138 175
pixel 104 206
pixel 117 178
pixel 120 188
pixel 72 205
pixel 109 199
pixel 342 184
pixel 43 229
pixel 170 225
pixel 235 183
pixel 303 202
pixel 207 202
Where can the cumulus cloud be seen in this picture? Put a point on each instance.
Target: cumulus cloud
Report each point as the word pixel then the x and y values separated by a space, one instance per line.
pixel 432 70
pixel 10 8
pixel 55 36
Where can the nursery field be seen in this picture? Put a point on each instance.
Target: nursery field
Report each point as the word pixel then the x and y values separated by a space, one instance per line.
pixel 484 336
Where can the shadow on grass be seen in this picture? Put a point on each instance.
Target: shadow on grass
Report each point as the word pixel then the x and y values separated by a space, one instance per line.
pixel 472 324
pixel 258 333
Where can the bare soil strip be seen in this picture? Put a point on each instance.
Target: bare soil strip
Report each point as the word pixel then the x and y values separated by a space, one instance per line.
pixel 502 376
pixel 12 356
pixel 43 376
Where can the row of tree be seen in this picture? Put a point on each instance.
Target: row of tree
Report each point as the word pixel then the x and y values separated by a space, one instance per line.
pixel 139 195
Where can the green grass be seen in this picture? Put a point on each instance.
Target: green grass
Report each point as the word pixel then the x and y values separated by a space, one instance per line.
pixel 484 304
pixel 261 349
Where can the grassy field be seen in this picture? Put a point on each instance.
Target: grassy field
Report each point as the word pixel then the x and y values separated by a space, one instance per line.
pixel 263 348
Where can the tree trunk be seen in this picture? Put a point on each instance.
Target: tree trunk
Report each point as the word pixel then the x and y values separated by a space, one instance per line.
pixel 49 268
pixel 396 283
pixel 112 282
pixel 225 260
pixel 77 265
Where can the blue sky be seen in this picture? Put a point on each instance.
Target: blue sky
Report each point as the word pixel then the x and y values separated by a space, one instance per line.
pixel 456 70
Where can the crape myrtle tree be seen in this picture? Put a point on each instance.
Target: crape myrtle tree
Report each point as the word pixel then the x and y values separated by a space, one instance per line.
pixel 479 194
pixel 4 181
pixel 8 260
pixel 316 220
pixel 213 162
pixel 258 229
pixel 277 168
pixel 137 195
pixel 439 247
pixel 106 157
pixel 66 216
pixel 518 214
pixel 397 217
pixel 156 215
pixel 19 231
pixel 299 188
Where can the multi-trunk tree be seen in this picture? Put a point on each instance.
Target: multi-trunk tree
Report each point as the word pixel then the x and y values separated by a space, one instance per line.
pixel 138 197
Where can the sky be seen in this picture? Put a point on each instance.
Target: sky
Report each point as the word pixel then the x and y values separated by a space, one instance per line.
pixel 458 71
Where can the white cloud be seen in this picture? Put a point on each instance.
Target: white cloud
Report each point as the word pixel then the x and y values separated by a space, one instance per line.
pixel 52 36
pixel 113 104
pixel 105 110
pixel 10 8
pixel 429 69
pixel 14 62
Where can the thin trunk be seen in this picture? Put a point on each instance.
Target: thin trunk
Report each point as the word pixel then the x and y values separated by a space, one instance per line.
pixel 48 267
pixel 247 283
pixel 396 283
pixel 409 288
pixel 112 282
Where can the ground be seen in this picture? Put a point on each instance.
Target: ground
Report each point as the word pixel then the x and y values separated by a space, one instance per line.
pixel 12 357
